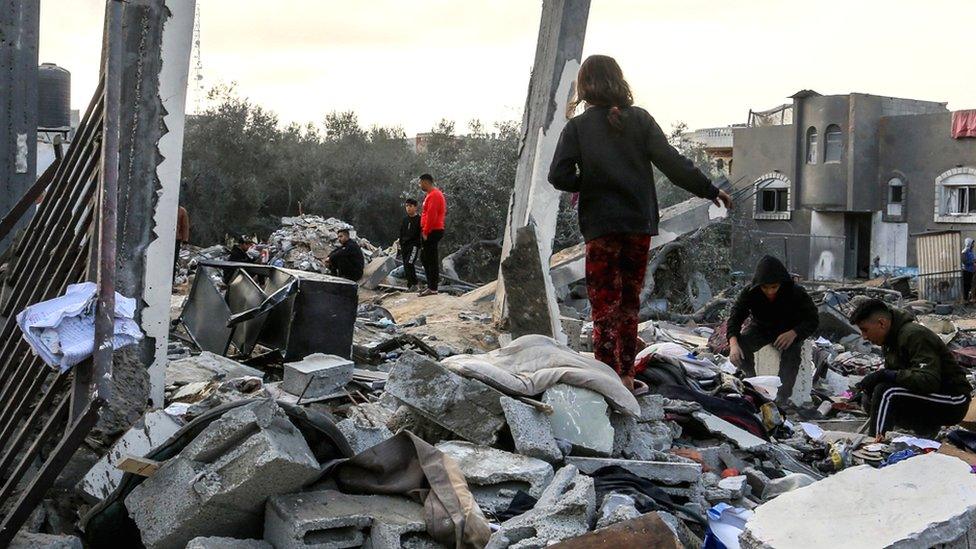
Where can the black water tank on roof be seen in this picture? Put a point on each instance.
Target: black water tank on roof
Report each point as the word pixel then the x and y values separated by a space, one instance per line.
pixel 53 96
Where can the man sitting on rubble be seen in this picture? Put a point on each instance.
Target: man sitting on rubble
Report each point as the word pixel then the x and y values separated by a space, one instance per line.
pixel 782 315
pixel 410 242
pixel 347 260
pixel 921 386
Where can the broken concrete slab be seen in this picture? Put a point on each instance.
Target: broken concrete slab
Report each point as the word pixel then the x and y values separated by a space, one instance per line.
pixel 616 508
pixel 363 436
pixel 738 436
pixel 30 540
pixel 788 483
pixel 495 475
pixel 317 375
pixel 227 543
pixel 736 486
pixel 565 510
pixel 376 271
pixel 218 484
pixel 658 471
pixel 150 431
pixel 924 501
pixel 634 439
pixel 531 430
pixel 206 366
pixel 532 307
pixel 767 363
pixel 580 417
pixel 331 519
pixel 464 406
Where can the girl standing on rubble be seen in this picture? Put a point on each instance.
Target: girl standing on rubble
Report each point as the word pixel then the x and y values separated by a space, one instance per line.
pixel 606 154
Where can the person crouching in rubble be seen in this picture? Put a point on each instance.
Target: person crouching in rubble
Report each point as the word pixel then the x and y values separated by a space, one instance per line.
pixel 921 386
pixel 243 251
pixel 347 260
pixel 606 154
pixel 782 313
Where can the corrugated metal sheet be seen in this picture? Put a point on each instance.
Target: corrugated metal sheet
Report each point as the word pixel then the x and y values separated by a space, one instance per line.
pixel 939 276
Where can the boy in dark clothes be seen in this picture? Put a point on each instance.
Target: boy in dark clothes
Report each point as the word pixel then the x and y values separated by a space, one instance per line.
pixel 782 315
pixel 921 386
pixel 347 260
pixel 410 242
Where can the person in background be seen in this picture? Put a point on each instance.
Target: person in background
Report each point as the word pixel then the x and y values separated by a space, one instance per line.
pixel 431 232
pixel 921 386
pixel 782 313
pixel 410 242
pixel 182 236
pixel 346 261
pixel 607 155
pixel 968 269
pixel 243 251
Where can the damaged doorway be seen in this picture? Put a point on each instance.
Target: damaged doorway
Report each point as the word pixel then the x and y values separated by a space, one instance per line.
pixel 857 252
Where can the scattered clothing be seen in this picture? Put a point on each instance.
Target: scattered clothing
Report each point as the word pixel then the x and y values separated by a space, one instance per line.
pixel 961 438
pixel 964 124
pixel 615 267
pixel 431 259
pixel 347 261
pixel 410 245
pixel 647 496
pixel 612 171
pixel 735 410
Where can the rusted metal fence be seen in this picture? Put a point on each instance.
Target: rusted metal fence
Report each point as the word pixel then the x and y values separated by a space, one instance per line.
pixel 44 415
pixel 939 266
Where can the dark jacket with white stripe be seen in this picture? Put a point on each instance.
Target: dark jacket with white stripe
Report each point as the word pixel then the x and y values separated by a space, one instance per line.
pixel 924 364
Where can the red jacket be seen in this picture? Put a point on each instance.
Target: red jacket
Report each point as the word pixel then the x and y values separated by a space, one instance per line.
pixel 435 210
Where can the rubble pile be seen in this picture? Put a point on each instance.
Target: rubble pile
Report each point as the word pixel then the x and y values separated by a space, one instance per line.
pixel 303 242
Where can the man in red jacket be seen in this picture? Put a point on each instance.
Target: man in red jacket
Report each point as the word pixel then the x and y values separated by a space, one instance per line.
pixel 431 231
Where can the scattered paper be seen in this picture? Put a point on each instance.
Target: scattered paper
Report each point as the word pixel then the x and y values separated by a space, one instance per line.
pixel 812 431
pixel 62 330
pixel 726 523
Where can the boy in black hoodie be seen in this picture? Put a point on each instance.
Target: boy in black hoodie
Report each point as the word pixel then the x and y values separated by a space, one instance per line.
pixel 410 242
pixel 782 315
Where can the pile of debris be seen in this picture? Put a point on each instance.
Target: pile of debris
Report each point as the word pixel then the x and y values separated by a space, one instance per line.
pixel 303 242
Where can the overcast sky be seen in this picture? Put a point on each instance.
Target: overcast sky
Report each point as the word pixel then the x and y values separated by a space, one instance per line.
pixel 412 62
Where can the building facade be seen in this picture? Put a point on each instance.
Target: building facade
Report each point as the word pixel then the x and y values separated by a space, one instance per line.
pixel 843 189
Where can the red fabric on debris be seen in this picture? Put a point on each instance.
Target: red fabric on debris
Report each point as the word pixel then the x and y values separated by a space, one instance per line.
pixel 964 124
pixel 966 356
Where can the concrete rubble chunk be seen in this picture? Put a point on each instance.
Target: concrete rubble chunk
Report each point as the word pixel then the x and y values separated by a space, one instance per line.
pixel 738 436
pixel 580 417
pixel 686 537
pixel 565 510
pixel 227 543
pixel 736 485
pixel 495 475
pixel 464 406
pixel 616 508
pixel 925 501
pixel 652 407
pixel 757 480
pixel 30 540
pixel 788 483
pixel 634 439
pixel 330 519
pixel 531 430
pixel 317 375
pixel 205 367
pixel 376 271
pixel 150 431
pixel 362 436
pixel 658 471
pixel 218 484
pixel 767 363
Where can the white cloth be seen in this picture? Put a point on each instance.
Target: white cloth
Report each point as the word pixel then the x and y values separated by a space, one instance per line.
pixel 680 356
pixel 62 330
pixel 533 363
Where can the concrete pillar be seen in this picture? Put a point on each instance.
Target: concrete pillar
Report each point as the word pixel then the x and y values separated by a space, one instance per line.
pixel 557 59
pixel 19 23
pixel 157 42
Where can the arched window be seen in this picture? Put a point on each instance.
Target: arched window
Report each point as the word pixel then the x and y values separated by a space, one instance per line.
pixel 956 193
pixel 896 196
pixel 772 197
pixel 833 143
pixel 812 145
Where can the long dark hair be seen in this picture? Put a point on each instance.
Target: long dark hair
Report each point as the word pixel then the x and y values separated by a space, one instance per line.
pixel 600 82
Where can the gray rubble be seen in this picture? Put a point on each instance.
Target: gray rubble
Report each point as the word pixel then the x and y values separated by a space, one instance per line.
pixel 227 543
pixel 205 367
pixel 580 416
pixel 29 540
pixel 531 430
pixel 317 375
pixel 363 435
pixel 616 508
pixel 659 471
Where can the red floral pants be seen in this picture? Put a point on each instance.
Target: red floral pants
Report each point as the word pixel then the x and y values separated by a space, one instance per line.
pixel 615 267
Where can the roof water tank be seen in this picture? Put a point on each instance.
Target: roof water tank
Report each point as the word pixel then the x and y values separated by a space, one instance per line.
pixel 53 96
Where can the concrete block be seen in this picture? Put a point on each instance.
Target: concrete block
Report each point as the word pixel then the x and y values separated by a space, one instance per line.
pixel 362 437
pixel 786 484
pixel 580 417
pixel 376 272
pixel 150 431
pixel 757 480
pixel 30 540
pixel 218 484
pixel 317 375
pixel 658 471
pixel 634 439
pixel 205 367
pixel 531 430
pixel 227 543
pixel 767 364
pixel 924 501
pixel 616 508
pixel 464 406
pixel 495 475
pixel 333 520
pixel 736 485
pixel 738 436
pixel 565 510
pixel 573 328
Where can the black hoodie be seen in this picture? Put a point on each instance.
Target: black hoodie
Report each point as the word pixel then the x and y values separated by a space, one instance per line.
pixel 792 309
